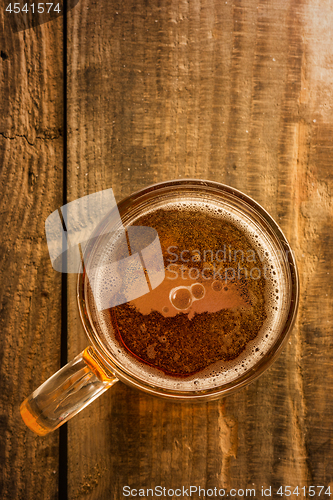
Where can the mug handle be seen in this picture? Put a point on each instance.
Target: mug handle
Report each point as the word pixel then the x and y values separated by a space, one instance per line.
pixel 66 393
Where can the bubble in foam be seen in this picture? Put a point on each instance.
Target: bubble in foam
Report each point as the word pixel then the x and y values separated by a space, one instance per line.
pixel 217 285
pixel 180 298
pixel 198 291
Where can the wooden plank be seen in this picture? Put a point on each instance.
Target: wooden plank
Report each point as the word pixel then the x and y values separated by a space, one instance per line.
pixel 315 240
pixel 226 91
pixel 31 103
pixel 293 415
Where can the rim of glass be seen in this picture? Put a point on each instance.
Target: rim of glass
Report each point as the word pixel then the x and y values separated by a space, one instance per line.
pixel 267 223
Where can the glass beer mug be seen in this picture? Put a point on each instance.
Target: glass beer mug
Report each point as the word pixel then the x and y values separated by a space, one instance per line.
pixel 187 290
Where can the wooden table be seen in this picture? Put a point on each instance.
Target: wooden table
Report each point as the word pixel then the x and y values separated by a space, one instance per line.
pixel 237 91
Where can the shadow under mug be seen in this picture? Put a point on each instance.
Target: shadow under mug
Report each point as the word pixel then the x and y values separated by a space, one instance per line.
pixel 97 368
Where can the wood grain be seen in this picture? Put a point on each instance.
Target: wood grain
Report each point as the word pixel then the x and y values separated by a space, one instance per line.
pixel 238 92
pixel 31 104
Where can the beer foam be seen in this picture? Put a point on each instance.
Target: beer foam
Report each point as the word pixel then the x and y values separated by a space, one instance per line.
pixel 221 372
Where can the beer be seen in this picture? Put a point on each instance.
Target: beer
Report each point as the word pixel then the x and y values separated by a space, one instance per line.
pixel 216 312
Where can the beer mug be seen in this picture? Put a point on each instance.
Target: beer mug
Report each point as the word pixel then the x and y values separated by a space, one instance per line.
pixel 187 290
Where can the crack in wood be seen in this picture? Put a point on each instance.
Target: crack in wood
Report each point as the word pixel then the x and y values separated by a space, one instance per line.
pixel 41 138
